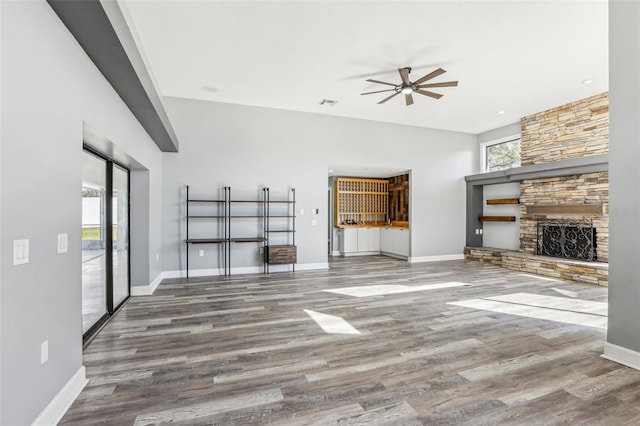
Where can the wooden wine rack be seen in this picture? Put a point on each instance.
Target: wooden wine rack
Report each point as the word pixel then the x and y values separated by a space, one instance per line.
pixel 360 201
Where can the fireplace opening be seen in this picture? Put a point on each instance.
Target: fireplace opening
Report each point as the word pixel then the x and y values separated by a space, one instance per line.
pixel 570 240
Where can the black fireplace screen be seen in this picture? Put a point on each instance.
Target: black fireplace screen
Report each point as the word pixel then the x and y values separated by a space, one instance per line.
pixel 571 240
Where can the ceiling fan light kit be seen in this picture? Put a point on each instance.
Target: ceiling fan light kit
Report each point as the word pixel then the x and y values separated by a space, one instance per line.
pixel 408 88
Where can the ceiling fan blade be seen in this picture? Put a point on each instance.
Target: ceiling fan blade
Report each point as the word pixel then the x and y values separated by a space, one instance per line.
pixel 378 91
pixel 380 82
pixel 427 93
pixel 404 75
pixel 432 74
pixel 409 99
pixel 443 84
pixel 386 99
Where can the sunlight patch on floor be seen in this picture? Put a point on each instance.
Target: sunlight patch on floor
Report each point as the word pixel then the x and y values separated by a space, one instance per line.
pixel 565 292
pixel 539 277
pixel 332 324
pixel 552 308
pixel 383 290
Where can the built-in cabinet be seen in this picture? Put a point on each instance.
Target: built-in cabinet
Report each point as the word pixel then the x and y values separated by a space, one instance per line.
pixel 394 241
pixel 386 240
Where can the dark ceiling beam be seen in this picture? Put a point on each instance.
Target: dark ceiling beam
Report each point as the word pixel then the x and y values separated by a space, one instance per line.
pixel 89 24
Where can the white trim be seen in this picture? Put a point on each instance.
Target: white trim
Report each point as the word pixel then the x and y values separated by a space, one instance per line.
pixel 334 253
pixel 243 270
pixel 621 355
pixel 147 290
pixel 60 403
pixel 359 253
pixel 484 145
pixel 436 258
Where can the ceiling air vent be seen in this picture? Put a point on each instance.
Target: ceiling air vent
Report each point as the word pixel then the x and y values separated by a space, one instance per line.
pixel 328 102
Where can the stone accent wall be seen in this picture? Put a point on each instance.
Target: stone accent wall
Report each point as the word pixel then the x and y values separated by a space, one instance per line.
pixel 592 188
pixel 573 130
pixel 584 272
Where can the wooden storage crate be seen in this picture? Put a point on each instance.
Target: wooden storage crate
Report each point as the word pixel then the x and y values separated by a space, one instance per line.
pixel 279 255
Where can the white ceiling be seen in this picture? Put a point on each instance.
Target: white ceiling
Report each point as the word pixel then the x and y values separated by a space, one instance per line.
pixel 512 56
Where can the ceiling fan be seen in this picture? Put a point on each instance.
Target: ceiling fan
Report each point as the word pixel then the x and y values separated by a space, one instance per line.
pixel 407 88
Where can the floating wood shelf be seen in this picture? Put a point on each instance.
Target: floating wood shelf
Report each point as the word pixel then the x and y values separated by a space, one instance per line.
pixel 504 201
pixel 498 218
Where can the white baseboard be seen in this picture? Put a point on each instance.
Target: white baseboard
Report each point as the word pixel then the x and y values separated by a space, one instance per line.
pixel 241 270
pixel 436 258
pixel 147 290
pixel 60 403
pixel 359 253
pixel 621 355
pixel 335 253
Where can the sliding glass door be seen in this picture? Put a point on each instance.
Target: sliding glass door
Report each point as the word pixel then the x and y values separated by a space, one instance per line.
pixel 120 249
pixel 94 240
pixel 105 239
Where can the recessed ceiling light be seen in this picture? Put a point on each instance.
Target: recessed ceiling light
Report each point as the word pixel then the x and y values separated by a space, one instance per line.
pixel 330 170
pixel 500 112
pixel 209 89
pixel 587 81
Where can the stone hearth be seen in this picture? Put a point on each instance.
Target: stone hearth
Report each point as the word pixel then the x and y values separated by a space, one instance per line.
pixel 565 269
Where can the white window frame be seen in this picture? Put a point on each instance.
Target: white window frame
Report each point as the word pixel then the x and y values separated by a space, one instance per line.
pixel 484 145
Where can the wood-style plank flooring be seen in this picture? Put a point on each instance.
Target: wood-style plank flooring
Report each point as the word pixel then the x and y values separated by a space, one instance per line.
pixel 388 346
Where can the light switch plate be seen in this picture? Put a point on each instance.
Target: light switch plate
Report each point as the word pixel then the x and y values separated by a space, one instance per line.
pixel 20 252
pixel 63 243
pixel 301 211
pixel 44 352
pixel 314 222
pixel 201 253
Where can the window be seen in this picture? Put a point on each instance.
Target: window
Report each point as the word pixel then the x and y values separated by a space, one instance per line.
pixel 501 154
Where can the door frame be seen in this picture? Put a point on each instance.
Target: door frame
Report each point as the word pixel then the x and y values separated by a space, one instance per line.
pixel 111 309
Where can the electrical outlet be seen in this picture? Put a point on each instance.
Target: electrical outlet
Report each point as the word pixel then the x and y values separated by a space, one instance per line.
pixel 301 211
pixel 44 352
pixel 63 243
pixel 314 222
pixel 201 253
pixel 20 252
pixel 157 258
pixel 477 231
pixel 480 231
pixel 261 250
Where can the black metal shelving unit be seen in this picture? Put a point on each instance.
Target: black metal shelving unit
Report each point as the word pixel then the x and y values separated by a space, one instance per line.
pixel 214 240
pixel 281 254
pixel 285 253
pixel 261 213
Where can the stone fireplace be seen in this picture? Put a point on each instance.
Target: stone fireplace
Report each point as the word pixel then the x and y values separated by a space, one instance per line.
pixel 564 195
pixel 566 199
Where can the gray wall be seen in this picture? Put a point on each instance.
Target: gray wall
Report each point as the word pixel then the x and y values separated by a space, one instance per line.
pixel 50 92
pixel 249 147
pixel 505 235
pixel 500 132
pixel 624 179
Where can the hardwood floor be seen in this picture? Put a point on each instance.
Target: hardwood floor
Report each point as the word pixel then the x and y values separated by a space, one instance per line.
pixel 251 350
